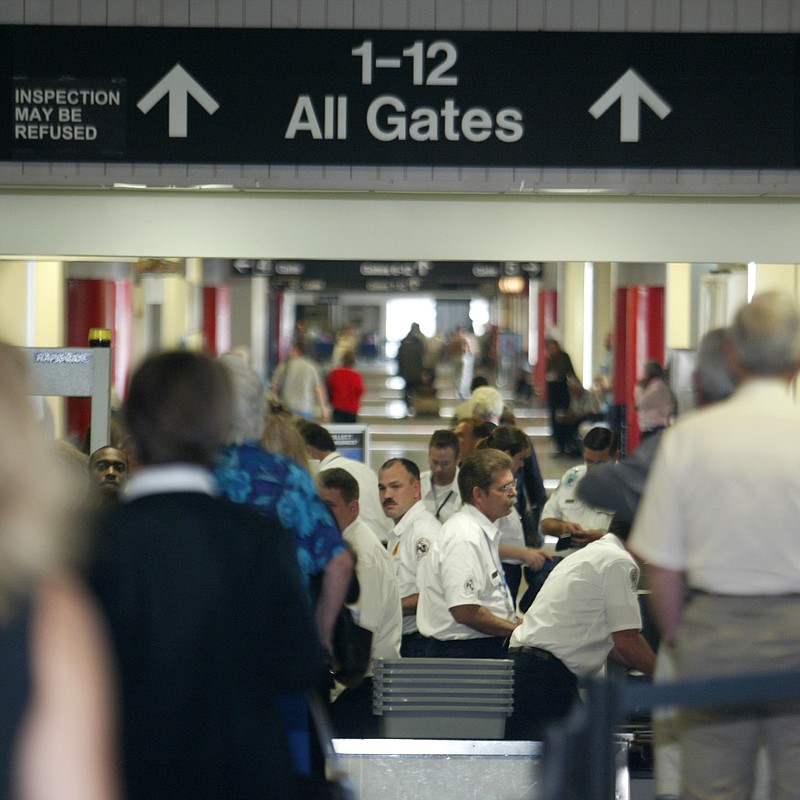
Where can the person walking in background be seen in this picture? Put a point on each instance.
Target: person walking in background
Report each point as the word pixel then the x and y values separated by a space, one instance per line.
pixel 489 352
pixel 410 363
pixel 583 410
pixel 717 524
pixel 461 348
pixel 304 337
pixel 57 709
pixel 297 384
pixel 345 389
pixel 346 342
pixel 654 400
pixel 204 600
pixel 558 369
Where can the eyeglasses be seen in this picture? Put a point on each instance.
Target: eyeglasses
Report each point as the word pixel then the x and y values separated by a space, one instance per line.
pixel 507 488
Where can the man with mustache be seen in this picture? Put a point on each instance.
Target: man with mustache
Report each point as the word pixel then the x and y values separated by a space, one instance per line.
pixel 410 540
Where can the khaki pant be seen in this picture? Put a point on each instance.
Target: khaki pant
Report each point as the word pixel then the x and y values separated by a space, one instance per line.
pixel 728 636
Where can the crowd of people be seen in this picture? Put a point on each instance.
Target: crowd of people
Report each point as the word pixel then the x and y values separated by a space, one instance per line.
pixel 222 538
pixel 330 388
pixel 167 608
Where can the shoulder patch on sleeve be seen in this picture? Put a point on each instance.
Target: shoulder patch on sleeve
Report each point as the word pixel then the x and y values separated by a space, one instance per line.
pixel 422 548
pixel 571 479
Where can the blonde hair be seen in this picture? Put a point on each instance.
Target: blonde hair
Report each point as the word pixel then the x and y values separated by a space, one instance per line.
pixel 33 539
pixel 281 436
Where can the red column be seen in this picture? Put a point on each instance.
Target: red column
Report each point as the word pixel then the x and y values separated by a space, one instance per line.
pixel 548 318
pixel 95 303
pixel 638 337
pixel 217 319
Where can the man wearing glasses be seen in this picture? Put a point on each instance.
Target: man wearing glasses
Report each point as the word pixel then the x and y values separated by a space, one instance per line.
pixel 465 606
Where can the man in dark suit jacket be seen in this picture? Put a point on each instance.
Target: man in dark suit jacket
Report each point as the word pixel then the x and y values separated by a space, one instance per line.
pixel 205 605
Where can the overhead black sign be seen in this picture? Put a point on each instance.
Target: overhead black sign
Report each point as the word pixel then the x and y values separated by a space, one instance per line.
pixel 248 96
pixel 382 276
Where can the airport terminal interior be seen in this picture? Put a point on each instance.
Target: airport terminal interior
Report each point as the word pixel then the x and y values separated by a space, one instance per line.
pixel 206 185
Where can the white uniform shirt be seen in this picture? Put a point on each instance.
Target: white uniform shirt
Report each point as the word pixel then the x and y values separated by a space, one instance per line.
pixel 445 500
pixel 378 607
pixel 511 533
pixel 463 568
pixel 585 599
pixel 564 504
pixel 722 501
pixel 369 500
pixel 410 541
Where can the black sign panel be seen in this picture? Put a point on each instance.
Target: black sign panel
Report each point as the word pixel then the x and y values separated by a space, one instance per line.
pixel 68 117
pixel 247 96
pixel 382 276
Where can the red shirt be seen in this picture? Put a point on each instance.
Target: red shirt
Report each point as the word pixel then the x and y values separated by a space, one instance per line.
pixel 345 388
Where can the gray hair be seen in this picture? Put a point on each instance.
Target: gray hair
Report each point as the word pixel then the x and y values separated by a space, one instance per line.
pixel 714 378
pixel 249 401
pixel 766 334
pixel 487 403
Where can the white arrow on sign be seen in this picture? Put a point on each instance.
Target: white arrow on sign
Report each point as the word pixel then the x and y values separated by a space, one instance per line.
pixel 178 84
pixel 629 90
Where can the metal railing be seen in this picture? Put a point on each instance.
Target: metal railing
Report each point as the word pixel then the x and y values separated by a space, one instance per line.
pixel 580 752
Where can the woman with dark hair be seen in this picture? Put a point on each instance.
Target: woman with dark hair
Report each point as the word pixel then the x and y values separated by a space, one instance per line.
pixel 559 368
pixel 204 599
pixel 654 400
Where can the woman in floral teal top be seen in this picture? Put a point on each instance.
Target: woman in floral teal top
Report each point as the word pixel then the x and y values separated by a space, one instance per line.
pixel 276 485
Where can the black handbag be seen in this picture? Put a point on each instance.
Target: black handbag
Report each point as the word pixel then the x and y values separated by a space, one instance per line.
pixel 352 649
pixel 351 644
pixel 530 521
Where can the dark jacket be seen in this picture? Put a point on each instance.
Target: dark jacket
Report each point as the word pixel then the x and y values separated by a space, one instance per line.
pixel 409 358
pixel 209 620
